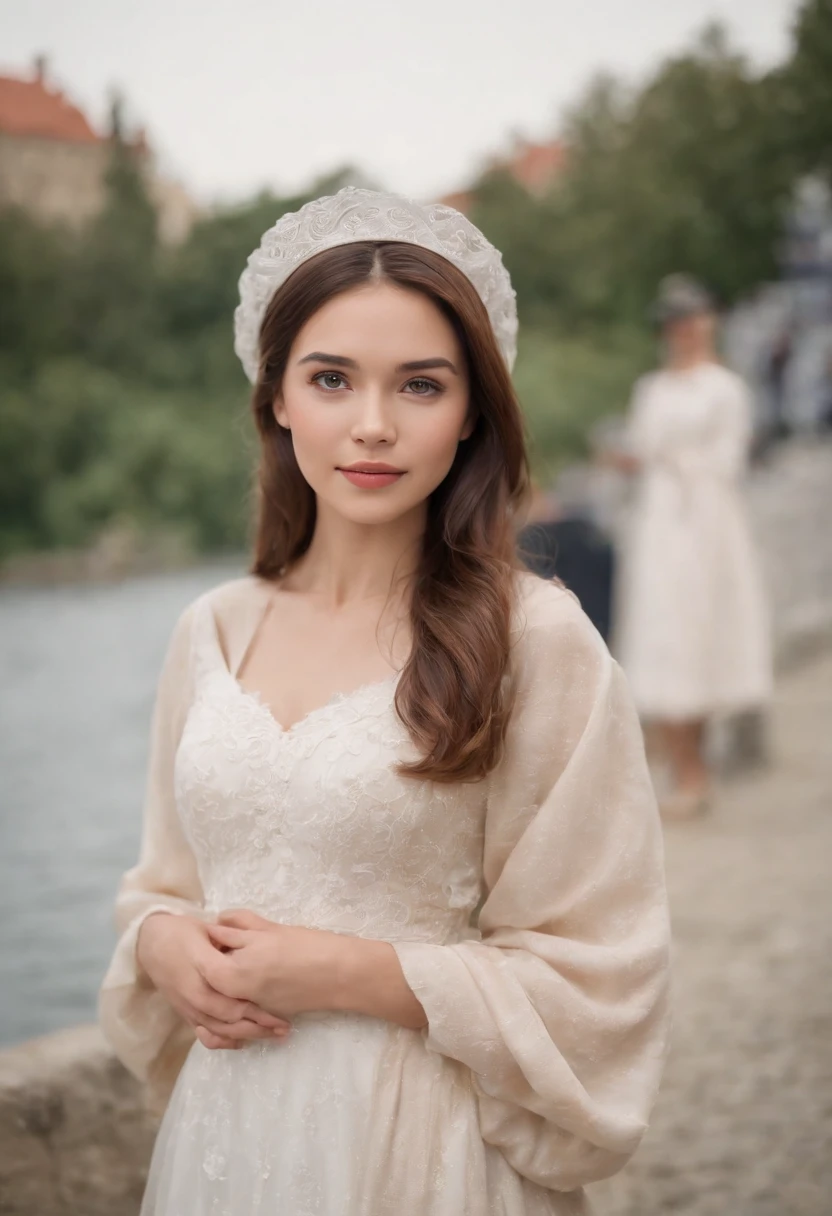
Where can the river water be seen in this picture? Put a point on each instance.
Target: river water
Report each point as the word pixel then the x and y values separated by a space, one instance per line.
pixel 78 670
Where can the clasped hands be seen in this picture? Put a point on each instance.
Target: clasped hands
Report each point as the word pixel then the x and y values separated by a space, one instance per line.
pixel 242 978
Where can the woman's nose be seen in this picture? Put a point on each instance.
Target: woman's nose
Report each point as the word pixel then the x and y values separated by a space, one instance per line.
pixel 375 420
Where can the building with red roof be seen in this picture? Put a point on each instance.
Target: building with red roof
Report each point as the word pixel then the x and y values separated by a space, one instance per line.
pixel 30 109
pixel 53 162
pixel 536 167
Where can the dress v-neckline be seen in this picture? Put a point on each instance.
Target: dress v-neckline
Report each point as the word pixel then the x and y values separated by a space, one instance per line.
pixel 318 711
pixel 254 697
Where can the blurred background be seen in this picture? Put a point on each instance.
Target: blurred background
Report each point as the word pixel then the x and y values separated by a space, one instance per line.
pixel 143 151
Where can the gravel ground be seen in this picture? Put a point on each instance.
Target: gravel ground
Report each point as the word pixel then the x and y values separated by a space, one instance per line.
pixel 743 1126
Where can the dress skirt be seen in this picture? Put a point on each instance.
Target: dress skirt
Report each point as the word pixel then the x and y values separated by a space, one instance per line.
pixel 348 1117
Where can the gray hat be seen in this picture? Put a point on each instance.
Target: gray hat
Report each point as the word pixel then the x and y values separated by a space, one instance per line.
pixel 678 296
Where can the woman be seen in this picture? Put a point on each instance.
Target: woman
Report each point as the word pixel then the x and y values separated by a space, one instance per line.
pixel 386 725
pixel 693 637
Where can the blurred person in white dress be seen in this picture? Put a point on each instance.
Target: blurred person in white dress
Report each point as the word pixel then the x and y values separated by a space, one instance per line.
pixel 693 631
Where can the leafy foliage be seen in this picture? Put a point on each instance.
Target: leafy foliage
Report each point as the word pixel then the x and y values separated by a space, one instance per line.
pixel 121 396
pixel 804 91
pixel 685 174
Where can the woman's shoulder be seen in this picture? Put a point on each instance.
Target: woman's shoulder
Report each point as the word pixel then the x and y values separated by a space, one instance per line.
pixel 648 380
pixel 550 624
pixel 234 607
pixel 236 596
pixel 228 599
pixel 560 665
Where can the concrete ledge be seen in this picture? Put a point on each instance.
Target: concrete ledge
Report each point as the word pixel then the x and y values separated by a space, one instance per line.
pixel 74 1137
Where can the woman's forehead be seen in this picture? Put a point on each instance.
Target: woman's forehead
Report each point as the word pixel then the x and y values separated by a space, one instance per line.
pixel 379 320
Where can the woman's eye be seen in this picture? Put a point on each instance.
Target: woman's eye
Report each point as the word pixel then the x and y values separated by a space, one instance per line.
pixel 329 380
pixel 422 387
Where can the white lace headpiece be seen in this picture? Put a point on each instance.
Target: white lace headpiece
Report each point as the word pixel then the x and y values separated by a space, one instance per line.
pixel 370 215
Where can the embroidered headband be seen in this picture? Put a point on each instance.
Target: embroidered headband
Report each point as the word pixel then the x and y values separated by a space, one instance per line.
pixel 370 215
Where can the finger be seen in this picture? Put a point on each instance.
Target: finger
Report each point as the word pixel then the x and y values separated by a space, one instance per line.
pixel 242 918
pixel 226 1009
pixel 244 1029
pixel 201 1001
pixel 206 1038
pixel 227 935
pixel 232 1032
pixel 215 1042
pixel 263 1018
pixel 223 1008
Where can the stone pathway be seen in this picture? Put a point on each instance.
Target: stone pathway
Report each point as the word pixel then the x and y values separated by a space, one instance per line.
pixel 743 1126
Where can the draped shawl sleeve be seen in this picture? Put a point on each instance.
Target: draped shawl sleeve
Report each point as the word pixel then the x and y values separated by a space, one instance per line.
pixel 559 1011
pixel 142 1027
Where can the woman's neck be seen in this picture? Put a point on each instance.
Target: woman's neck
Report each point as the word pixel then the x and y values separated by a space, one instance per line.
pixel 349 562
pixel 684 361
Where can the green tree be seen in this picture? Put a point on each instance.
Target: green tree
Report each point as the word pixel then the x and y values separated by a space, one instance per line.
pixel 804 91
pixel 690 180
pixel 684 174
pixel 525 230
pixel 115 277
pixel 34 313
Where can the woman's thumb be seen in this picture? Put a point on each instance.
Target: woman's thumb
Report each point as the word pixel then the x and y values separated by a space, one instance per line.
pixel 227 937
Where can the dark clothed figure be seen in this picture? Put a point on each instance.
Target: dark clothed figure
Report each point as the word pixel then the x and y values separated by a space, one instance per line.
pixel 577 552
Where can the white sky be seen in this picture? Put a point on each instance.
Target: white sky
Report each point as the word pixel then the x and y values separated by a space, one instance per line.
pixel 241 94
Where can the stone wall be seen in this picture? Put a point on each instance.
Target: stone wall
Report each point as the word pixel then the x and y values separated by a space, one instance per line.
pixel 74 1138
pixel 58 180
pixel 61 181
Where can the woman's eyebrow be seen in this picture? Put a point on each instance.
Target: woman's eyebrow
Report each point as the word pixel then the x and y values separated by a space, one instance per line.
pixel 318 356
pixel 423 365
pixel 416 365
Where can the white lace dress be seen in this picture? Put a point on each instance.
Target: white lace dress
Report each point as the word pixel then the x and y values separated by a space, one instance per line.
pixel 693 635
pixel 546 1024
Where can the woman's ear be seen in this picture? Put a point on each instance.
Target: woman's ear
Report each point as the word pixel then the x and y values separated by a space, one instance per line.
pixel 468 426
pixel 279 411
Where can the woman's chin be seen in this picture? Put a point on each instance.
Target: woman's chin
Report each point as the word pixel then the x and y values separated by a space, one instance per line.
pixel 370 509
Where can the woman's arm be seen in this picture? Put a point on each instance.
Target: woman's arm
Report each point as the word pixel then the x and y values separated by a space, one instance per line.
pixel 288 970
pixel 146 1033
pixel 372 982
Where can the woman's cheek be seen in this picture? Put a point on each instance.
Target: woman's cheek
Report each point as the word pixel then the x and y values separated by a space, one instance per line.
pixel 439 445
pixel 315 435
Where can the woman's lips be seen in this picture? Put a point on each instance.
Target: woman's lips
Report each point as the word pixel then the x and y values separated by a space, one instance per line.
pixel 370 480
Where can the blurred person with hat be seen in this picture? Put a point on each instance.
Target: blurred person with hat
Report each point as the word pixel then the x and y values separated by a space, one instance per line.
pixel 693 630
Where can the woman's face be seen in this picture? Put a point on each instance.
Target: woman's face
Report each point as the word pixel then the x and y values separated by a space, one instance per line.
pixel 375 380
pixel 691 337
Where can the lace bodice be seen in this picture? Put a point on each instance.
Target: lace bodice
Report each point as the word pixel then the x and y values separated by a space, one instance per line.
pixel 312 825
pixel 545 1023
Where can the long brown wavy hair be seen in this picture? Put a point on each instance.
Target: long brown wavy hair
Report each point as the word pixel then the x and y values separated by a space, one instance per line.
pixel 451 695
